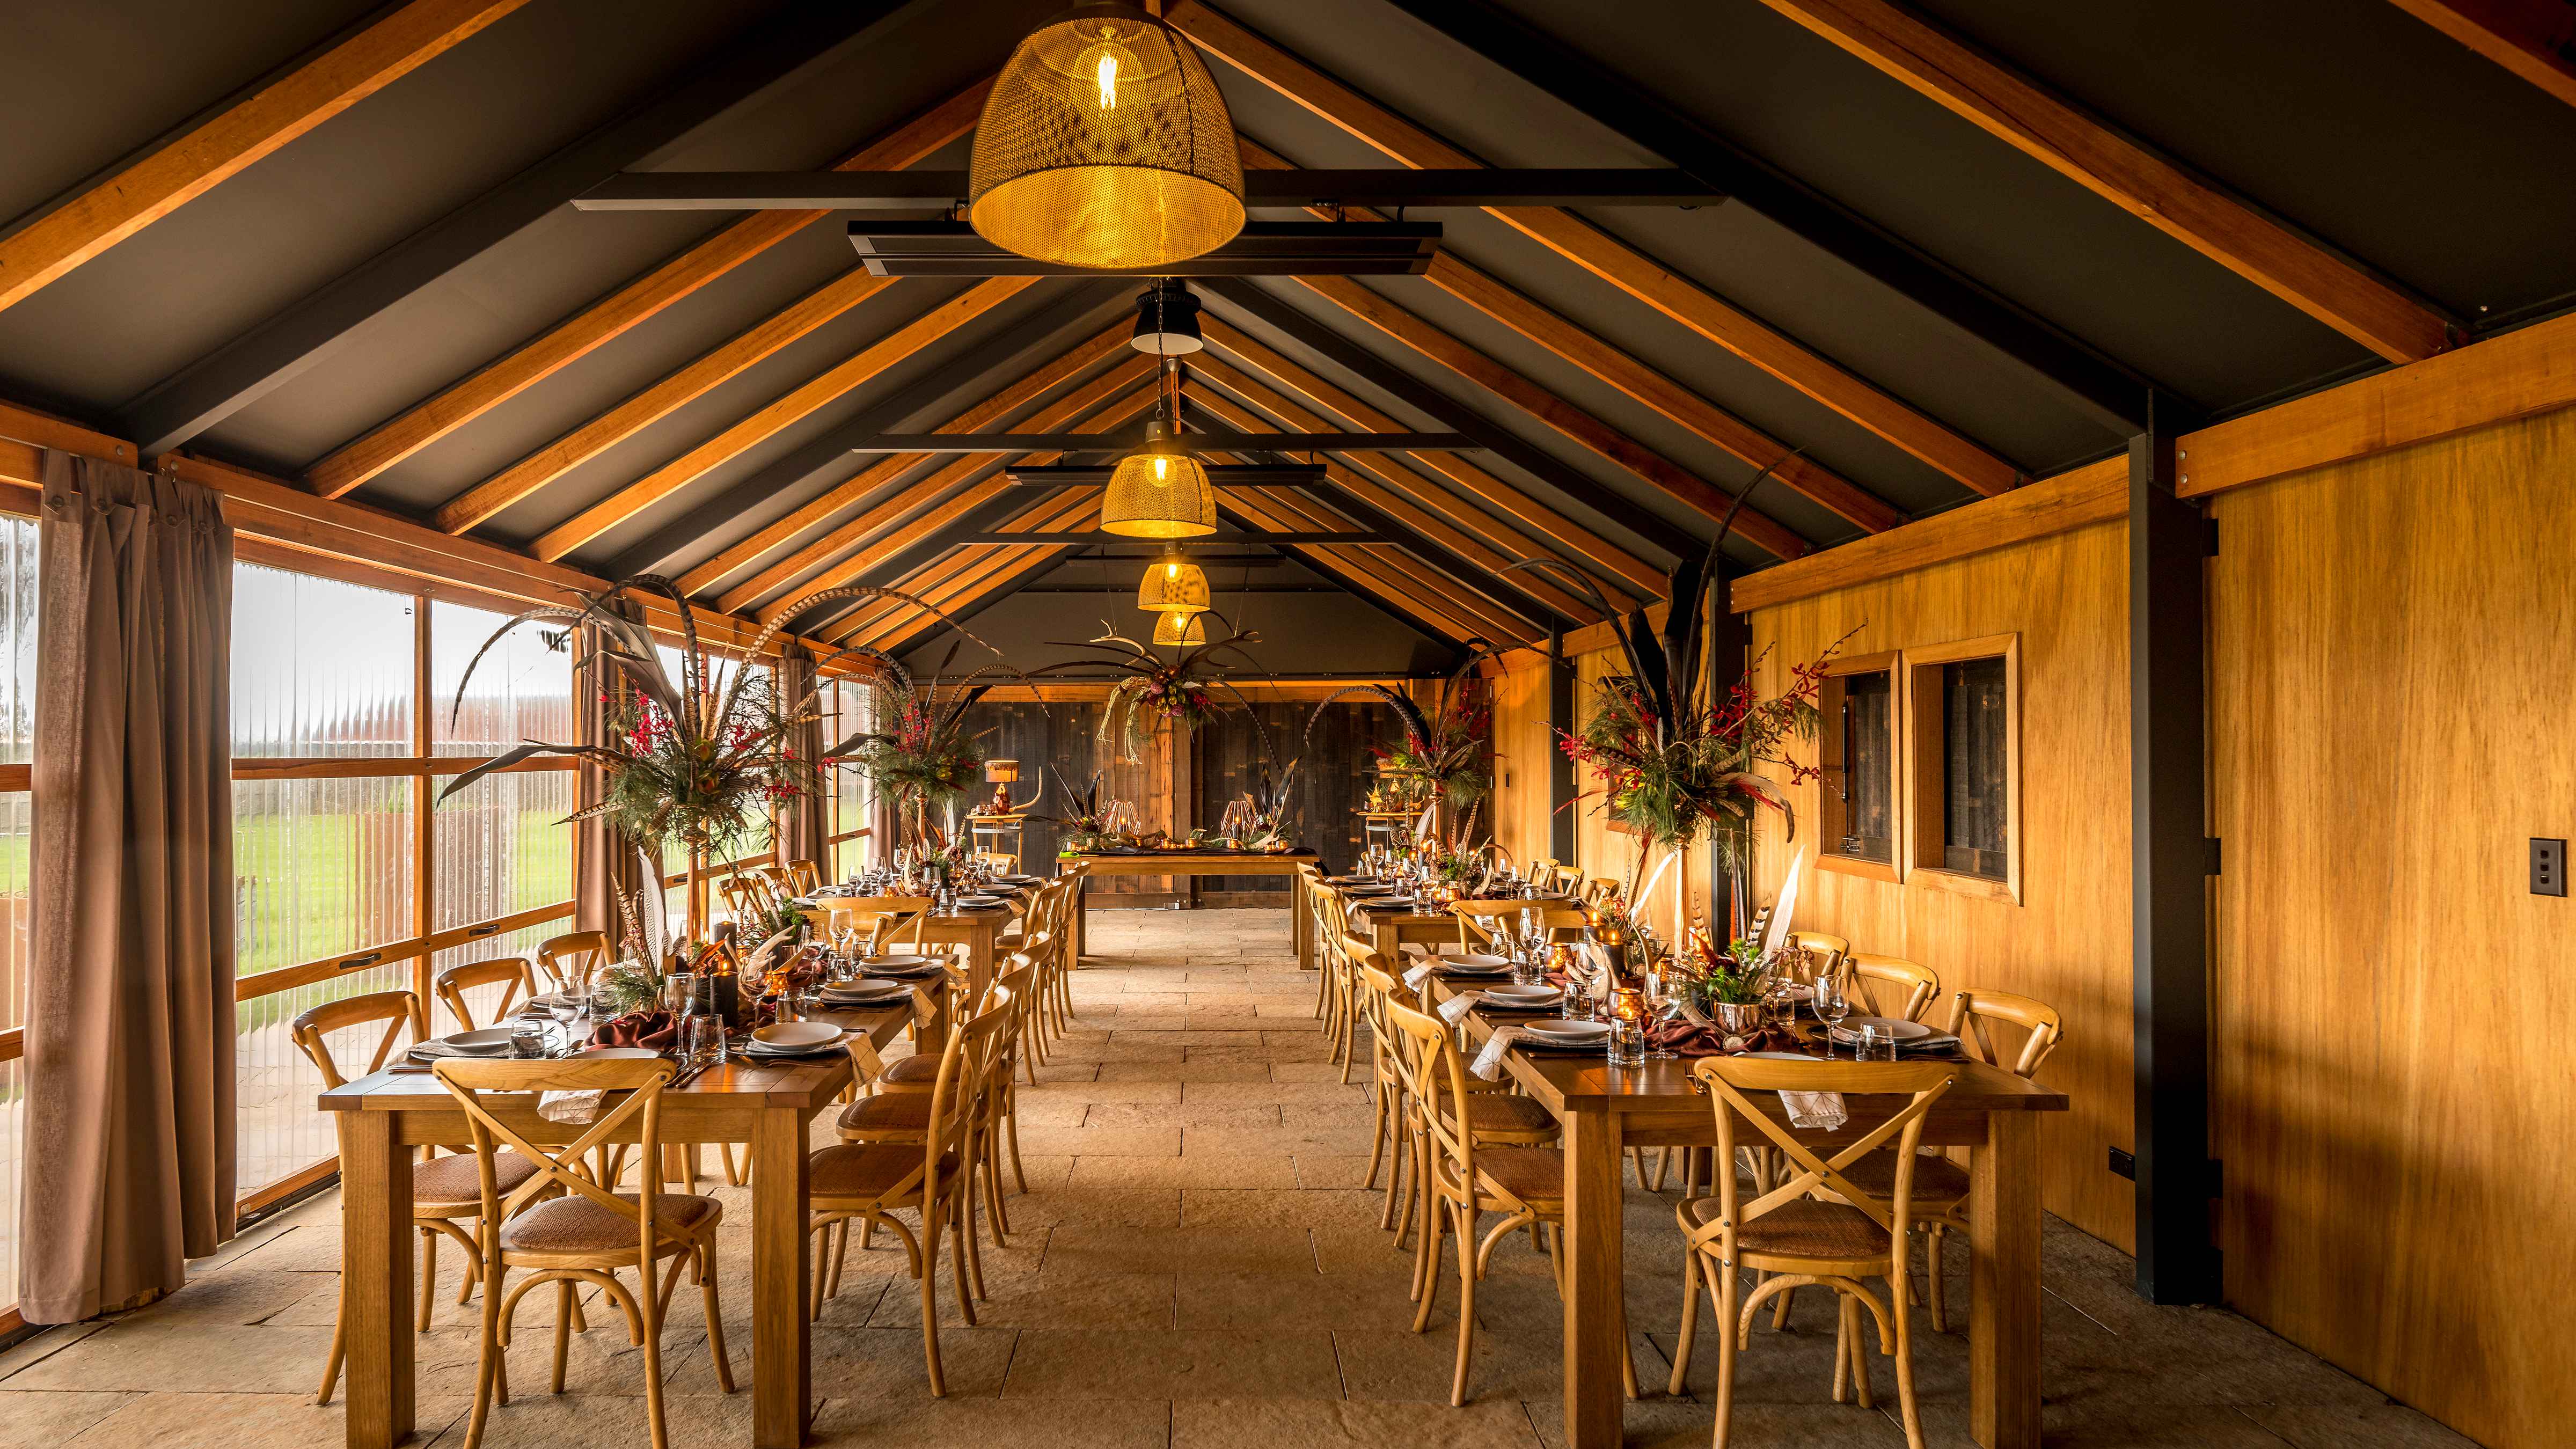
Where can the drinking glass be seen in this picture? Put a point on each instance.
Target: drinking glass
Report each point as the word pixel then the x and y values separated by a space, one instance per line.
pixel 1874 1045
pixel 1627 1043
pixel 702 1040
pixel 566 1008
pixel 528 1037
pixel 680 994
pixel 1832 1005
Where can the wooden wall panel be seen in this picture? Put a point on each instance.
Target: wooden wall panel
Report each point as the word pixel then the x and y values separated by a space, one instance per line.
pixel 2394 670
pixel 1524 752
pixel 2067 943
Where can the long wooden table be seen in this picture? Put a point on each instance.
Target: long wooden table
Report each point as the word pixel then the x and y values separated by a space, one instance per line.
pixel 1604 1110
pixel 1194 862
pixel 384 1116
pixel 977 929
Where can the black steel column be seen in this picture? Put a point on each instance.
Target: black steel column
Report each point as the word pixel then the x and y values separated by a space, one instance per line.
pixel 1730 654
pixel 2171 859
pixel 1560 769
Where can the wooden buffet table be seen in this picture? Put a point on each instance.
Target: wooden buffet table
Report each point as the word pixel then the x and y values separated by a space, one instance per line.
pixel 1605 1109
pixel 1195 862
pixel 386 1115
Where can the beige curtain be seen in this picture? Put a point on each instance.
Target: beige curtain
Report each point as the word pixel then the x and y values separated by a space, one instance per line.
pixel 129 1153
pixel 605 866
pixel 804 823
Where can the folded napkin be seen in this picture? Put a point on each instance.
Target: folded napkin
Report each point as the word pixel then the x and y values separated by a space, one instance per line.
pixel 1488 1064
pixel 654 1029
pixel 575 1108
pixel 1817 1111
pixel 1455 1009
pixel 435 1048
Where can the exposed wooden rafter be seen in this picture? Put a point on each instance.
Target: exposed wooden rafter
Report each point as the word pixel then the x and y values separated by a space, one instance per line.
pixel 354 463
pixel 214 387
pixel 1128 368
pixel 954 575
pixel 279 110
pixel 789 408
pixel 1545 522
pixel 1705 419
pixel 2535 39
pixel 1666 476
pixel 853 567
pixel 1605 256
pixel 2084 149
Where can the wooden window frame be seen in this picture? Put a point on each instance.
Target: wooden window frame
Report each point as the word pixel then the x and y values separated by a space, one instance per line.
pixel 1920 828
pixel 1829 759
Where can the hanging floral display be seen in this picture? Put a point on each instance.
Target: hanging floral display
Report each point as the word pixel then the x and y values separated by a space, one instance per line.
pixel 1444 756
pixel 1151 690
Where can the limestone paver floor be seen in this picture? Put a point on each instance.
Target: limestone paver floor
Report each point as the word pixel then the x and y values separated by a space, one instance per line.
pixel 1195 1264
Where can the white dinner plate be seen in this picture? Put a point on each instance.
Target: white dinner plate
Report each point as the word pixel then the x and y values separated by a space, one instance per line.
pixel 1523 998
pixel 859 991
pixel 619 1054
pixel 797 1035
pixel 1774 1057
pixel 1849 1029
pixel 1471 965
pixel 1567 1032
pixel 488 1042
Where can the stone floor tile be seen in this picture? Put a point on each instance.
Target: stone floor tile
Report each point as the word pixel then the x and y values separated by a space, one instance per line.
pixel 1033 1423
pixel 40 1419
pixel 1086 1141
pixel 1200 1171
pixel 1174 1364
pixel 1302 1424
pixel 1227 1249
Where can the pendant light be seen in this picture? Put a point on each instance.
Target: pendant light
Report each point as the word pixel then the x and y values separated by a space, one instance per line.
pixel 1173 585
pixel 1167 320
pixel 1159 491
pixel 1181 629
pixel 1104 143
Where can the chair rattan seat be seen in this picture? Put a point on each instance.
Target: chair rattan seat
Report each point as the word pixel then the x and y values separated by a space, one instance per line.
pixel 1802 1229
pixel 578 1225
pixel 1936 1179
pixel 1535 1175
pixel 452 1187
pixel 858 1172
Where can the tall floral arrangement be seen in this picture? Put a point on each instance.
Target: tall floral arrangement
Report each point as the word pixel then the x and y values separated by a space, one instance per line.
pixel 1151 690
pixel 1443 756
pixel 690 757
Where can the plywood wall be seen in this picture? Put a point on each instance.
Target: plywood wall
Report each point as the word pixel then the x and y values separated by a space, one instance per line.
pixel 2067 941
pixel 2394 676
pixel 1524 752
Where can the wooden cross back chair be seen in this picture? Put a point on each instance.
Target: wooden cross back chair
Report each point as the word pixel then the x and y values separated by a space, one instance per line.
pixel 748 894
pixel 1792 1235
pixel 1890 985
pixel 874 922
pixel 1940 1182
pixel 1480 922
pixel 581 1232
pixel 1600 890
pixel 868 1182
pixel 1825 952
pixel 571 960
pixel 805 875
pixel 1464 1177
pixel 444 1190
pixel 511 973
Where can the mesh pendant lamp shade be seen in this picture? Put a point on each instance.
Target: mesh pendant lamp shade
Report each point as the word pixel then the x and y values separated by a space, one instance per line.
pixel 1181 629
pixel 1158 494
pixel 1104 143
pixel 1173 585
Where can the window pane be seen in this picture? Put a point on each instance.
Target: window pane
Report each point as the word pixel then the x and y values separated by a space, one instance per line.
pixel 320 668
pixel 17 642
pixel 1973 799
pixel 502 848
pixel 1869 775
pixel 522 690
pixel 280 1132
pixel 320 867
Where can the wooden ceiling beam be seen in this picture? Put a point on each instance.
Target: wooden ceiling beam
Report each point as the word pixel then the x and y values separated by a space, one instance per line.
pixel 1666 476
pixel 1614 261
pixel 279 110
pixel 792 407
pixel 2085 150
pixel 2535 39
pixel 365 457
pixel 1546 522
pixel 203 394
pixel 1431 525
pixel 858 550
pixel 1366 478
pixel 1359 567
pixel 1501 622
pixel 1640 383
pixel 951 575
pixel 1128 369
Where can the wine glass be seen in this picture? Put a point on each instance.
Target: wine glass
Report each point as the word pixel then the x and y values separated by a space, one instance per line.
pixel 1832 1004
pixel 680 994
pixel 566 1008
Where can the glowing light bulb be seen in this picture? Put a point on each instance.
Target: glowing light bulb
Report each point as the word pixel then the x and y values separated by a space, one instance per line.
pixel 1108 74
pixel 1172 570
pixel 1162 469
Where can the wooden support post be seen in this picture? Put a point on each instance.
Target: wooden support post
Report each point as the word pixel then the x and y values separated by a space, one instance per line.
pixel 1561 835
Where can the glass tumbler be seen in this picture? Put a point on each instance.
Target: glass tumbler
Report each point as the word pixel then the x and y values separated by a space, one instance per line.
pixel 702 1040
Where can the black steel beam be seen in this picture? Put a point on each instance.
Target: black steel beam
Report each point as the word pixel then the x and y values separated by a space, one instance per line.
pixel 1261 249
pixel 239 373
pixel 1386 603
pixel 974 520
pixel 1383 188
pixel 1121 439
pixel 2171 859
pixel 1189 546
pixel 2113 391
pixel 1220 475
pixel 1561 788
pixel 1567 481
